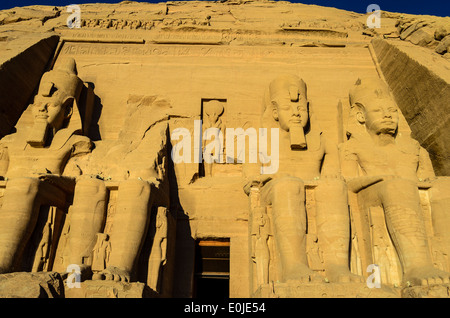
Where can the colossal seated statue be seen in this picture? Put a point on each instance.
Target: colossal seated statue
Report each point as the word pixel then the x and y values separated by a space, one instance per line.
pixel 136 166
pixel 306 157
pixel 386 169
pixel 33 160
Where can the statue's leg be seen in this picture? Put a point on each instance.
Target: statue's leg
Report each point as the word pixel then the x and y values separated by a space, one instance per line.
pixel 154 264
pixel 87 219
pixel 129 228
pixel 262 263
pixel 333 225
pixel 287 196
pixel 440 208
pixel 401 203
pixel 18 217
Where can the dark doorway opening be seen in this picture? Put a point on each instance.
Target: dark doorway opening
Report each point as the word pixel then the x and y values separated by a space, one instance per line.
pixel 212 269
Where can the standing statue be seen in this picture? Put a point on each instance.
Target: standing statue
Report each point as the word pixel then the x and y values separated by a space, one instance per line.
pixel 100 253
pixel 260 245
pixel 158 255
pixel 305 156
pixel 386 168
pixel 213 110
pixel 43 250
pixel 34 160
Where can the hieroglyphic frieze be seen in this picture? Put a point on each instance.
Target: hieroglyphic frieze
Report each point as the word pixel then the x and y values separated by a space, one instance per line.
pixel 135 49
pixel 306 37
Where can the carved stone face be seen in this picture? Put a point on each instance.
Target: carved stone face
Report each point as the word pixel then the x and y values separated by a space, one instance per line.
pixel 51 105
pixel 289 110
pixel 380 116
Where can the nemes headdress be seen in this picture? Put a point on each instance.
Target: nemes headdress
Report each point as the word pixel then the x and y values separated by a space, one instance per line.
pixel 365 90
pixel 287 83
pixel 63 78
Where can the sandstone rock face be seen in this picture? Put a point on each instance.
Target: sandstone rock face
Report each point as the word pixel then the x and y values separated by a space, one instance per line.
pixel 21 75
pixel 440 33
pixel 428 117
pixel 230 149
pixel 31 285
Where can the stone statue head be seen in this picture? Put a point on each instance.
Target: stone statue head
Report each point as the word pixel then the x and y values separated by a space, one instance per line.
pixel 375 107
pixel 290 105
pixel 53 105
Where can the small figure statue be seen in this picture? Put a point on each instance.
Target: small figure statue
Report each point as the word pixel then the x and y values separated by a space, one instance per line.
pixel 212 113
pixel 158 255
pixel 43 250
pixel 136 24
pixel 105 23
pixel 260 247
pixel 100 253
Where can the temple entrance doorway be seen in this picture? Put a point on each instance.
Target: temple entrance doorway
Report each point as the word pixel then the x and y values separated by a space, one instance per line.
pixel 212 268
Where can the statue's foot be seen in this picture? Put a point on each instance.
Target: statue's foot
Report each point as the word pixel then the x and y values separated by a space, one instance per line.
pixel 98 276
pixel 341 274
pixel 302 274
pixel 84 272
pixel 113 273
pixel 426 276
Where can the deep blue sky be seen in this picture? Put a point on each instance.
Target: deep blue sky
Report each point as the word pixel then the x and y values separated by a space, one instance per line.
pixel 431 7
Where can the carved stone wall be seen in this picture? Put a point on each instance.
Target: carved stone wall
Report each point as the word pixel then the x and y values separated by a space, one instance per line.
pixel 131 217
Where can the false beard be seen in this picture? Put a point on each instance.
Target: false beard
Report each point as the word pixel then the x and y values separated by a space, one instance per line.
pixel 38 134
pixel 297 137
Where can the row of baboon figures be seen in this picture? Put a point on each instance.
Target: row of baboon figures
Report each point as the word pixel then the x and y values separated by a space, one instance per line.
pixel 119 24
pixel 383 167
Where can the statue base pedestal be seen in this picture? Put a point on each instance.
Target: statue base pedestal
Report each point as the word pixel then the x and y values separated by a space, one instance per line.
pixel 324 290
pixel 108 289
pixel 437 291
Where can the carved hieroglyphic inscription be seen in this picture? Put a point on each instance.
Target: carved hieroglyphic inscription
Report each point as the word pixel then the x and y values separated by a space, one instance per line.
pixel 285 37
pixel 133 49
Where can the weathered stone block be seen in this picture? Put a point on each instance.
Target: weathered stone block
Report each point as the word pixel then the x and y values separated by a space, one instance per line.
pixel 108 289
pixel 438 291
pixel 441 32
pixel 324 290
pixel 443 47
pixel 20 71
pixel 31 285
pixel 421 38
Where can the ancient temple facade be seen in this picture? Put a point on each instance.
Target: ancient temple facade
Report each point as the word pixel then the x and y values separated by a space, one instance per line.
pixel 234 149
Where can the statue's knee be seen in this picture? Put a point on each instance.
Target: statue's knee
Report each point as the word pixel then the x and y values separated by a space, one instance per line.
pixel 287 190
pixel 336 185
pixel 135 187
pixel 399 192
pixel 88 186
pixel 331 189
pixel 440 189
pixel 400 185
pixel 23 186
pixel 289 186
